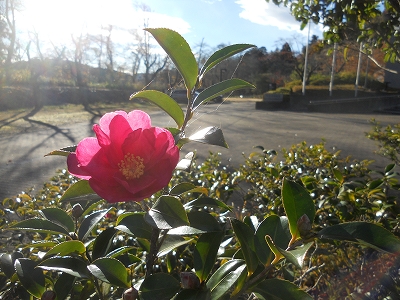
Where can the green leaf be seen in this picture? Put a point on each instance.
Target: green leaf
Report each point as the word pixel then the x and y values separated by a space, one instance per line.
pixel 165 102
pixel 220 88
pixel 63 151
pixel 187 187
pixel 74 266
pixel 297 202
pixel 222 54
pixel 185 163
pixel 210 135
pixel 172 242
pixel 205 253
pixel 180 53
pixel 369 234
pixel 225 278
pixel 40 225
pixel 167 213
pixel 278 289
pixel 66 248
pixel 63 286
pixel 278 229
pixel 79 188
pixel 159 286
pixel 59 216
pixel 103 242
pixel 110 270
pixel 246 239
pixel 200 222
pixel 90 222
pixel 134 224
pixel 207 202
pixel 31 278
pixel 7 262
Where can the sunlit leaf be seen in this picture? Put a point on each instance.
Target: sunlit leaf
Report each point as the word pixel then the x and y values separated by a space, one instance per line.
pixel 63 151
pixel 58 216
pixel 222 54
pixel 66 248
pixel 7 262
pixel 278 289
pixel 207 202
pixel 167 213
pixel 165 102
pixel 200 222
pixel 225 278
pixel 31 278
pixel 79 188
pixel 210 135
pixel 297 202
pixel 90 222
pixel 159 286
pixel 278 229
pixel 40 225
pixel 74 266
pixel 369 234
pixel 134 224
pixel 205 253
pixel 220 88
pixel 180 53
pixel 172 242
pixel 110 270
pixel 185 163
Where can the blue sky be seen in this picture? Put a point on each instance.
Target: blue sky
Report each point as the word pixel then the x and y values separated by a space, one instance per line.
pixel 214 21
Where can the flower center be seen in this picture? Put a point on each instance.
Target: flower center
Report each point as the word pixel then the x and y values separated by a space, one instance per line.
pixel 131 166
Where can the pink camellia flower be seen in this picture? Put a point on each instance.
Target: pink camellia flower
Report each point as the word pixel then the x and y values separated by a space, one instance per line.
pixel 128 160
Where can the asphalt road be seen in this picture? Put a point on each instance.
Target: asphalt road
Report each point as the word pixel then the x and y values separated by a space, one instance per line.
pixel 23 165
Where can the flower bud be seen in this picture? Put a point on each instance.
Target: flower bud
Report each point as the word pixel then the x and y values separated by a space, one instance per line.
pixel 130 294
pixel 77 211
pixel 304 225
pixel 189 280
pixel 48 295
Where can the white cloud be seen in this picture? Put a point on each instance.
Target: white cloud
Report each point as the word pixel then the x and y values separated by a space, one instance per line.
pixel 269 14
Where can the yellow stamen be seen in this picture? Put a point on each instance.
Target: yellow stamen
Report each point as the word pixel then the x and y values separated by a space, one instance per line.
pixel 131 166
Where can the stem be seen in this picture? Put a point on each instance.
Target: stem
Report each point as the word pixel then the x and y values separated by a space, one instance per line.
pixel 153 251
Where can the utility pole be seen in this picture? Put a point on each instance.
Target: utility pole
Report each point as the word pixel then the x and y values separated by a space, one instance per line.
pixel 306 62
pixel 358 70
pixel 333 69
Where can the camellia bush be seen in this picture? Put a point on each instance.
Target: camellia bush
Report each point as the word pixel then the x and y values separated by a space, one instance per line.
pixel 131 220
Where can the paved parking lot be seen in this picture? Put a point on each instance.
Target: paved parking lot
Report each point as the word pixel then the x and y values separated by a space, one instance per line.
pixel 23 165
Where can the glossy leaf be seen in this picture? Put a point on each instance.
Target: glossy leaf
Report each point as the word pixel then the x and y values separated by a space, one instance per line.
pixel 207 202
pixel 222 54
pixel 187 187
pixel 103 242
pixel 63 151
pixel 246 239
pixel 40 225
pixel 180 53
pixel 278 289
pixel 74 266
pixel 78 189
pixel 159 286
pixel 205 253
pixel 110 270
pixel 31 278
pixel 220 88
pixel 167 213
pixel 210 135
pixel 59 216
pixel 165 102
pixel 7 262
pixel 297 202
pixel 278 229
pixel 185 163
pixel 275 250
pixel 369 234
pixel 134 224
pixel 66 248
pixel 200 222
pixel 172 242
pixel 90 222
pixel 225 278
